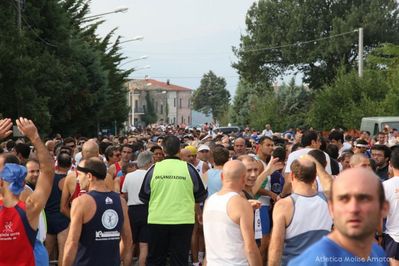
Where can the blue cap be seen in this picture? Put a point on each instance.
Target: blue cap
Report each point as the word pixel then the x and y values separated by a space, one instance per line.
pixel 15 175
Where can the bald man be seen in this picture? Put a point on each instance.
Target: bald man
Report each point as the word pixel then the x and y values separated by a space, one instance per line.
pixel 293 231
pixel 71 188
pixel 234 223
pixel 359 160
pixel 357 206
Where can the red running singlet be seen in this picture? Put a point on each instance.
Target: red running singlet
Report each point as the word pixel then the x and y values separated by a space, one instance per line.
pixel 17 237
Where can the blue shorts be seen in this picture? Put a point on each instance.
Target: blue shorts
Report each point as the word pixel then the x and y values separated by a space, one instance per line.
pixel 41 256
pixel 265 219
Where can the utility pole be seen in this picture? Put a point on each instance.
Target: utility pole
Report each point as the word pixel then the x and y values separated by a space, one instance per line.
pixel 360 52
pixel 19 16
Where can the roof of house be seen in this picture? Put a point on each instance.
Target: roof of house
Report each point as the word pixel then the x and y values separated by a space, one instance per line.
pixel 160 85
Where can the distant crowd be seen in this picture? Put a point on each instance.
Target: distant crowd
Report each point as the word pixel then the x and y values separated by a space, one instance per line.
pixel 168 195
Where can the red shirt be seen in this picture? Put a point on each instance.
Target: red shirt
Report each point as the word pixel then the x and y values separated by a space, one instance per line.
pixel 17 237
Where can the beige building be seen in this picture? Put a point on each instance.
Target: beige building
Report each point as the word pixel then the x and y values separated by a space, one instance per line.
pixel 172 103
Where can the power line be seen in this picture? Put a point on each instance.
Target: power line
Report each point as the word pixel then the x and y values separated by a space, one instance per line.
pixel 32 29
pixel 300 43
pixel 202 53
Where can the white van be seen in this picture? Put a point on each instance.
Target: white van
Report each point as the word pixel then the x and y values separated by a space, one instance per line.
pixel 377 124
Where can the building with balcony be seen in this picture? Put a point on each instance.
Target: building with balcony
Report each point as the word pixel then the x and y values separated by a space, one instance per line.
pixel 172 103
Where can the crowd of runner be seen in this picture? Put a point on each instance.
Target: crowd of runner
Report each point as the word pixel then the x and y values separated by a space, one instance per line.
pixel 169 195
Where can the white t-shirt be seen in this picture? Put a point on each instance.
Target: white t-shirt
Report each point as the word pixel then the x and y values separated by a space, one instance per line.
pixel 132 186
pixel 298 153
pixel 391 188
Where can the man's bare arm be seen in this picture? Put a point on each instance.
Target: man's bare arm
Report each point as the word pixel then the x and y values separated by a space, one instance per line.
pixel 75 230
pixel 126 237
pixel 66 194
pixel 278 234
pixel 272 166
pixel 247 230
pixel 37 200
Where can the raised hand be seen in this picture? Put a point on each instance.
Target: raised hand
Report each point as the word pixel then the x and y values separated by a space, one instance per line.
pixel 5 127
pixel 28 128
pixel 274 165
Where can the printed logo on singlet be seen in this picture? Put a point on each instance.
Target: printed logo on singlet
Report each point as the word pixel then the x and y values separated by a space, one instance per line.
pixel 108 200
pixel 7 233
pixel 110 219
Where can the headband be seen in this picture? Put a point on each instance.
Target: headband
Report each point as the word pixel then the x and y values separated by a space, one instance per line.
pixel 91 171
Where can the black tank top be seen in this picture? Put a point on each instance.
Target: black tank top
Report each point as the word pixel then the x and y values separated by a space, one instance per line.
pixel 54 200
pixel 99 240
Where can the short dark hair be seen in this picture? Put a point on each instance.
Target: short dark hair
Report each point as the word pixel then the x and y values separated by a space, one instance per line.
pixel 384 148
pixel 23 149
pixel 10 145
pixel 395 158
pixel 336 135
pixel 109 152
pixel 308 136
pixel 64 160
pixel 220 155
pixel 155 147
pixel 172 145
pixel 332 151
pixel 69 140
pixel 103 146
pixel 305 173
pixel 263 138
pixel 319 156
pixel 96 167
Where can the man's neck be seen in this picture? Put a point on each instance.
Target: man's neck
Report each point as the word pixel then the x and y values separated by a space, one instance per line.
pixel 98 186
pixel 62 171
pixel 303 189
pixel 262 156
pixel 218 167
pixel 358 247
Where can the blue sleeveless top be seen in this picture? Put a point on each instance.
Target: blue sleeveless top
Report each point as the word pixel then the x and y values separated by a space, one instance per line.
pixel 214 181
pixel 99 240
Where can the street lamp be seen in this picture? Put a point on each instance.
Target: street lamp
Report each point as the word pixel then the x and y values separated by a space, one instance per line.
pixel 140 68
pixel 137 38
pixel 135 59
pixel 121 9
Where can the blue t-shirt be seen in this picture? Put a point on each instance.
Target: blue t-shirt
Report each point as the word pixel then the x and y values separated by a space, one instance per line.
pixel 327 252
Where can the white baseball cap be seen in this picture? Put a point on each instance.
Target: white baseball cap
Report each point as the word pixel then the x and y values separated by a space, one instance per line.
pixel 204 147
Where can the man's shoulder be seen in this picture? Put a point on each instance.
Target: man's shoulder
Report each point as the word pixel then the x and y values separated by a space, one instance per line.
pixel 391 181
pixel 323 252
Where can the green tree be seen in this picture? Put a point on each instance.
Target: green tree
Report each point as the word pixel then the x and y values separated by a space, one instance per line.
pixel 149 116
pixel 348 99
pixel 211 97
pixel 278 34
pixel 58 71
pixel 244 100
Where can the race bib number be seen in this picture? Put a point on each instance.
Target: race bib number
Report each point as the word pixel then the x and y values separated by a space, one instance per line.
pixel 258 225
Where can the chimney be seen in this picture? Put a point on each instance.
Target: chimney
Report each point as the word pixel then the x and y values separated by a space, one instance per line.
pixel 167 82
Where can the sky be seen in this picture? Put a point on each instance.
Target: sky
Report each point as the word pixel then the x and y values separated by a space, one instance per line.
pixel 183 39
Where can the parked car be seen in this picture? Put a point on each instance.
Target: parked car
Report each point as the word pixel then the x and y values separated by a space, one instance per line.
pixel 227 130
pixel 377 124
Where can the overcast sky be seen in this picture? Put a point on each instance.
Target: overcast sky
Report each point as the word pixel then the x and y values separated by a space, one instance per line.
pixel 183 39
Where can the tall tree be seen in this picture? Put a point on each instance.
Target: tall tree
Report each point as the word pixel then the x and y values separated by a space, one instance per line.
pixel 57 71
pixel 244 100
pixel 212 97
pixel 279 35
